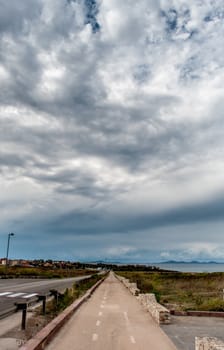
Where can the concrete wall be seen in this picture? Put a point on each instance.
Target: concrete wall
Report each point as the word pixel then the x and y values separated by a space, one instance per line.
pixel 160 314
pixel 207 343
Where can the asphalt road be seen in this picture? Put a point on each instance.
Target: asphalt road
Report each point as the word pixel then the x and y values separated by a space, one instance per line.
pixel 111 319
pixel 15 290
pixel 184 329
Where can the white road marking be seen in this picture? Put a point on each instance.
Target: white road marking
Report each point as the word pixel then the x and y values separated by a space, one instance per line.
pixel 94 337
pixel 104 297
pixel 132 339
pixel 29 295
pixel 126 317
pixel 5 293
pixel 15 295
pixel 98 322
pixel 100 313
pixel 102 306
pixel 128 325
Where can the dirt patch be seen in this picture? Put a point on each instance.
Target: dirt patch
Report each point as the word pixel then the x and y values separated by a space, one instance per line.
pixel 34 324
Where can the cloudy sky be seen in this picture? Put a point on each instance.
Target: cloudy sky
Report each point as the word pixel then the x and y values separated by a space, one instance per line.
pixel 111 129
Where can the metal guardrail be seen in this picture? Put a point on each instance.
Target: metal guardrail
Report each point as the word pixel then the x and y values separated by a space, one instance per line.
pixel 11 310
pixel 24 306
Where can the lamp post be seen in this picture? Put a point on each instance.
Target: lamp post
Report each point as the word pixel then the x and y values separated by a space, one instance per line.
pixel 7 253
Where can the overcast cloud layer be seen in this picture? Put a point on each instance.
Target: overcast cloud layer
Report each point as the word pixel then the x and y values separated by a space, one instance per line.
pixel 111 135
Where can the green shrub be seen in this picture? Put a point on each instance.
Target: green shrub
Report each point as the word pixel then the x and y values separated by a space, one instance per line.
pixel 77 290
pixel 215 304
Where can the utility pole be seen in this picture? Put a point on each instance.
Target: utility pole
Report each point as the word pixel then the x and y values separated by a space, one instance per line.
pixel 7 252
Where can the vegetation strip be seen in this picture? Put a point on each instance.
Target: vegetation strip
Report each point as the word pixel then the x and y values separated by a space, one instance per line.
pixel 44 272
pixel 181 291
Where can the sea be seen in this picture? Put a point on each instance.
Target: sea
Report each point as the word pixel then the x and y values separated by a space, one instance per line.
pixel 192 267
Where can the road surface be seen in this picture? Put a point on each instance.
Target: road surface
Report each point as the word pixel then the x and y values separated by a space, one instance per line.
pixel 184 329
pixel 111 319
pixel 14 290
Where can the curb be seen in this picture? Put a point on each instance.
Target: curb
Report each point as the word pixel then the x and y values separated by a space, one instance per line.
pixel 8 312
pixel 42 338
pixel 198 313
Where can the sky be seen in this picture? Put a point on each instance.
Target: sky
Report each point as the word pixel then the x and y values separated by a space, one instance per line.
pixel 111 129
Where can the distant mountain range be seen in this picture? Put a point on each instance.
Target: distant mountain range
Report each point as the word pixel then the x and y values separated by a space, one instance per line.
pixel 189 262
pixel 125 262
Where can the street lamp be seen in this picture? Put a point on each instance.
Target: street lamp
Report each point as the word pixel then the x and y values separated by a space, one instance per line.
pixel 7 253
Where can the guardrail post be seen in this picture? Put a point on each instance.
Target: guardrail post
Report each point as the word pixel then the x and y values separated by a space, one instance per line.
pixel 44 305
pixel 23 307
pixel 56 294
pixel 43 298
pixel 23 326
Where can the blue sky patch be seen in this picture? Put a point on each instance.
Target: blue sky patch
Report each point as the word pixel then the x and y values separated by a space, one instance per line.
pixel 171 18
pixel 91 14
pixel 142 73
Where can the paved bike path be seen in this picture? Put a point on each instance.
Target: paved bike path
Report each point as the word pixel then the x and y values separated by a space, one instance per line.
pixel 111 319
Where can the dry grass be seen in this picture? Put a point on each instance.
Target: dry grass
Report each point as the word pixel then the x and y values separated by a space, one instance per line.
pixel 182 291
pixel 40 272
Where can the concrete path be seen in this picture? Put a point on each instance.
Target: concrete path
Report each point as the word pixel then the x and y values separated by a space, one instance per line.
pixel 111 319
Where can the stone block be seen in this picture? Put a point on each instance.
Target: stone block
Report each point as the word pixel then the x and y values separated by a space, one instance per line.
pixel 208 343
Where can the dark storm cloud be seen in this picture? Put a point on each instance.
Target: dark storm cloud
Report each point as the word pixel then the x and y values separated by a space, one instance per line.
pixel 14 14
pixel 95 222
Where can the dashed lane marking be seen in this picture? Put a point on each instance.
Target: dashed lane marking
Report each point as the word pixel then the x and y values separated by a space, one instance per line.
pixel 128 325
pixel 126 317
pixel 14 295
pixel 4 293
pixel 30 295
pixel 100 313
pixel 132 339
pixel 94 337
pixel 98 322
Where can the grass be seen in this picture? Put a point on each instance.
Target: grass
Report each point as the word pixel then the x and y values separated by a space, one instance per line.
pixel 38 272
pixel 71 294
pixel 182 291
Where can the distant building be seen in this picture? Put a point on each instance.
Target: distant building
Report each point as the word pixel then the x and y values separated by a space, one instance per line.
pixel 14 262
pixel 3 261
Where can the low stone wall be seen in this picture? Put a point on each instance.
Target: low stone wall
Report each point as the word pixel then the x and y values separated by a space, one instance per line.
pixel 158 311
pixel 160 314
pixel 207 343
pixel 129 285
